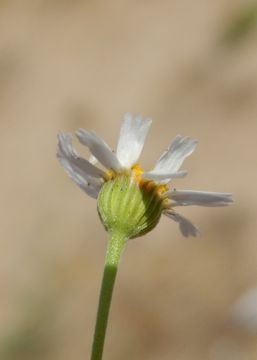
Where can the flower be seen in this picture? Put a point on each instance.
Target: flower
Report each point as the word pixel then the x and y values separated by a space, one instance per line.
pixel 122 171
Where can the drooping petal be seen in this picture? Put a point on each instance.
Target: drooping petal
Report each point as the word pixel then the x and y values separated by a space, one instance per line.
pixel 98 147
pixel 131 140
pixel 163 177
pixel 76 167
pixel 186 227
pixel 201 198
pixel 85 165
pixel 172 159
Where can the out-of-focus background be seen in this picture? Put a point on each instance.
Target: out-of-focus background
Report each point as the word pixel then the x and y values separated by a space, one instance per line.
pixel 192 67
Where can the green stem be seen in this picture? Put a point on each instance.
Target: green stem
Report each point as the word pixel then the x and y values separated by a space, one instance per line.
pixel 114 249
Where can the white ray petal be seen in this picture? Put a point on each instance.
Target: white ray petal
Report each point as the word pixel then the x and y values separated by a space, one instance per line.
pixel 98 147
pixel 92 159
pixel 75 168
pixel 85 165
pixel 172 159
pixel 132 138
pixel 163 177
pixel 186 227
pixel 201 198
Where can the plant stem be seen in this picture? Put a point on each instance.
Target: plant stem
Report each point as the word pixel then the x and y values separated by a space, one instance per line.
pixel 114 249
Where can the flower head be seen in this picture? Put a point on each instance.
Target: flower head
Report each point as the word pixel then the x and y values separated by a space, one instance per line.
pixel 128 197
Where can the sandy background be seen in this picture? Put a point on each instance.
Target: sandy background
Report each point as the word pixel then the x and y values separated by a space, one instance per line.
pixel 70 64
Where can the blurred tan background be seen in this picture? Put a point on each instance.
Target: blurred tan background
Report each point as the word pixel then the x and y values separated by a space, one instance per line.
pixel 192 67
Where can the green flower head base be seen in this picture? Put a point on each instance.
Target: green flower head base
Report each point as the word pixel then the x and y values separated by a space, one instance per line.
pixel 131 200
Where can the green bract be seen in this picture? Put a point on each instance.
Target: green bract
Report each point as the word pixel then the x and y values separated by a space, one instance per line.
pixel 128 207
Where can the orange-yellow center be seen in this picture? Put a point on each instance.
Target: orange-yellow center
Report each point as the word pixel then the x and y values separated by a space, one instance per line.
pixel 137 172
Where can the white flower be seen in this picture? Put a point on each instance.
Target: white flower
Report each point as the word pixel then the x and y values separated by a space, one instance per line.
pixel 91 178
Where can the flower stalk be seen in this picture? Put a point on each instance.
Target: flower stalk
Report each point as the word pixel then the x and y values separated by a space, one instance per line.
pixel 115 247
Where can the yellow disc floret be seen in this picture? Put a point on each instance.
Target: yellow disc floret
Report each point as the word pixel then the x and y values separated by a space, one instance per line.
pixel 136 174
